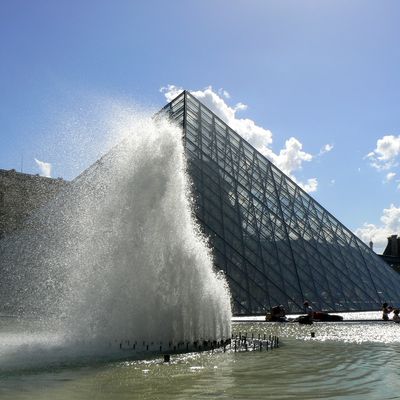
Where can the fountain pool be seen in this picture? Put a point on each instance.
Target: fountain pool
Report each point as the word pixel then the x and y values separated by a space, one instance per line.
pixel 343 361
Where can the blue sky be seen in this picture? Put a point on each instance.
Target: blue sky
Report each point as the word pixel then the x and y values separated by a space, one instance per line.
pixel 311 73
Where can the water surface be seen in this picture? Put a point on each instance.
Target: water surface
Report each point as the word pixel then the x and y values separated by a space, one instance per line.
pixel 343 361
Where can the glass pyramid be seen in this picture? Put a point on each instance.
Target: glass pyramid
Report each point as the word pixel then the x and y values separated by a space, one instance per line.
pixel 275 243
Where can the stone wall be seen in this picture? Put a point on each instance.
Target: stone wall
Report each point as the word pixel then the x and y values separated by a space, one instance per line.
pixel 20 194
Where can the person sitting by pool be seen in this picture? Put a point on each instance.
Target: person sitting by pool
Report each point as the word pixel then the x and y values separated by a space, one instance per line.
pixel 306 319
pixel 385 312
pixel 396 316
pixel 277 314
pixel 308 309
pixel 320 315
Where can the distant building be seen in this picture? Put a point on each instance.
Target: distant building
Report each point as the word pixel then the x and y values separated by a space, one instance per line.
pixel 391 253
pixel 20 194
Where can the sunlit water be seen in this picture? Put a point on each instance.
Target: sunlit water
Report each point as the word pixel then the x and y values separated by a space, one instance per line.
pixel 343 361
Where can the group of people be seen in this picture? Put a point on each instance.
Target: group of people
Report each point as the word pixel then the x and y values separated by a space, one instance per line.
pixel 278 314
pixel 387 310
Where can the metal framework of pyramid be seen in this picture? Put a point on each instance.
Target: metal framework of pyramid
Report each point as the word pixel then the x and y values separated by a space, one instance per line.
pixel 274 242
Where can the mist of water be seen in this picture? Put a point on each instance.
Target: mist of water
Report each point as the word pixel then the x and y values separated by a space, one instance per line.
pixel 118 253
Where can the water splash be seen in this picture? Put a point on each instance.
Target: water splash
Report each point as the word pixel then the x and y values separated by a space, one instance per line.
pixel 118 253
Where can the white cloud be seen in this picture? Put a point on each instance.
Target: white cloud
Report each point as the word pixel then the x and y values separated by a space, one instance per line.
pixel 386 154
pixel 310 186
pixel 240 107
pixel 390 224
pixel 390 176
pixel 326 149
pixel 224 93
pixel 44 167
pixel 170 92
pixel 289 159
pixel 256 135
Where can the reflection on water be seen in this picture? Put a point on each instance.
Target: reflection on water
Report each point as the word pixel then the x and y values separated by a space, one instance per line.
pixel 343 361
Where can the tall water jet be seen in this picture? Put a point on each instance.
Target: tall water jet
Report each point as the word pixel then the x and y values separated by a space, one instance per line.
pixel 118 254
